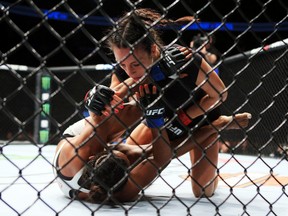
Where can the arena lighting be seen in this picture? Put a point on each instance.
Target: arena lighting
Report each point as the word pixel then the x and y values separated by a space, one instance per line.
pixel 102 21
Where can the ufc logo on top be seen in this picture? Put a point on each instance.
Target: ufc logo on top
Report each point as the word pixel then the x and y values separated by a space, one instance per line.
pixel 155 112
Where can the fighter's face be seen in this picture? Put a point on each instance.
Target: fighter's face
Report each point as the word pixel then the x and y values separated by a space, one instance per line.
pixel 135 63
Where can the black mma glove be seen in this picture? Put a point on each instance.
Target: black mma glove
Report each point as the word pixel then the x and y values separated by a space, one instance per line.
pixel 154 110
pixel 172 60
pixel 97 98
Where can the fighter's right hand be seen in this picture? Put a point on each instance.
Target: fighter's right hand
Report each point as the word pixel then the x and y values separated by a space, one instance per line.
pixel 98 98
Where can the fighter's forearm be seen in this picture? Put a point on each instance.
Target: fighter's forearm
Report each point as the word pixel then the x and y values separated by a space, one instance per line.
pixel 123 88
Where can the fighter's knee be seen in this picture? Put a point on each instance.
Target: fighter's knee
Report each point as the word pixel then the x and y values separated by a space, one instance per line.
pixel 198 193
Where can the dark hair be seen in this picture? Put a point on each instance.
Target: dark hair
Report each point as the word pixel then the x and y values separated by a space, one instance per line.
pixel 103 174
pixel 140 28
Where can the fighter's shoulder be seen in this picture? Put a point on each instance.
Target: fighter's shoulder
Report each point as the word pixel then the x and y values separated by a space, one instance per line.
pixel 75 129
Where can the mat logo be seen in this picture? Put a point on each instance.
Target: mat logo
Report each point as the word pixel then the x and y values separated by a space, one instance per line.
pixel 242 180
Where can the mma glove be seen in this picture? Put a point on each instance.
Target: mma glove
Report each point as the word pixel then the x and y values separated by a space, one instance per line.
pixel 171 61
pixel 97 98
pixel 154 110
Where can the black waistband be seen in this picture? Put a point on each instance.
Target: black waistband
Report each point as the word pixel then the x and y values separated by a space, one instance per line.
pixel 59 174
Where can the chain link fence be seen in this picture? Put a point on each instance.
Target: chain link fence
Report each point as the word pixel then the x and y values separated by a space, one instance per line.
pixel 53 52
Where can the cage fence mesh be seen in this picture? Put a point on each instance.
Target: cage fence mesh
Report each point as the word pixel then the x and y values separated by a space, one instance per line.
pixel 53 52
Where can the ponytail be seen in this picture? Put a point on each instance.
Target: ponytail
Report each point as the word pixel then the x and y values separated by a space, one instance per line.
pixel 150 16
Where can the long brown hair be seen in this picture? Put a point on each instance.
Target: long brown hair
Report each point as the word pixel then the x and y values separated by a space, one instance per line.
pixel 103 174
pixel 140 27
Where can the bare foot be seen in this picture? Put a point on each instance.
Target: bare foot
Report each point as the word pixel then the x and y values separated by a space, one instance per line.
pixel 239 121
